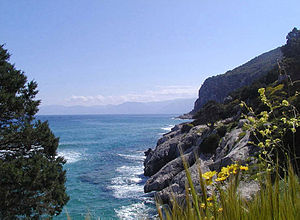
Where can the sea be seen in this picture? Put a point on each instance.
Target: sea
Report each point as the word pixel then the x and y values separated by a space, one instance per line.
pixel 105 155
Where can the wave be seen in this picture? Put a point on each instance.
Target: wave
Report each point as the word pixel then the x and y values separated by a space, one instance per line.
pixel 130 170
pixel 168 128
pixel 68 143
pixel 70 155
pixel 129 183
pixel 134 211
pixel 132 157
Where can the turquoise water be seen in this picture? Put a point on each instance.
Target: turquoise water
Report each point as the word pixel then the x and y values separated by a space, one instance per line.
pixel 104 166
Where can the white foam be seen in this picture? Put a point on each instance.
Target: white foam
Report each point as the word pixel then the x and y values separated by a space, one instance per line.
pixel 127 183
pixel 122 191
pixel 70 155
pixel 125 180
pixel 133 212
pixel 63 143
pixel 132 157
pixel 130 170
pixel 168 128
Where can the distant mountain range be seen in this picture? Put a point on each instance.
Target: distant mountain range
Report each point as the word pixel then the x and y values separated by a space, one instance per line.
pixel 176 106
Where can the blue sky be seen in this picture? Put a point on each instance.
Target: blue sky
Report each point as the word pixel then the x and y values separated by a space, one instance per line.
pixel 112 51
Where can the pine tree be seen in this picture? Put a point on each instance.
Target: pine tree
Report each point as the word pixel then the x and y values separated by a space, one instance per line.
pixel 32 179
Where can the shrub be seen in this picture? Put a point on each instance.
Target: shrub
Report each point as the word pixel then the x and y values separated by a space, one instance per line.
pixel 210 144
pixel 222 130
pixel 186 128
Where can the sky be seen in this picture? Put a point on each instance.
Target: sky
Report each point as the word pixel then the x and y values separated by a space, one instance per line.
pixel 85 52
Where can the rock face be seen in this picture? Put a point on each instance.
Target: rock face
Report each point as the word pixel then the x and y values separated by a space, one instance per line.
pixel 218 87
pixel 164 164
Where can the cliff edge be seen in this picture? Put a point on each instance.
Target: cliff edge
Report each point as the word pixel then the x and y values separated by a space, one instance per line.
pixel 218 87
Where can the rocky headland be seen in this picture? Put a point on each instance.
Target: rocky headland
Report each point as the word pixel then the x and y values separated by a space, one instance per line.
pixel 216 138
pixel 217 88
pixel 201 146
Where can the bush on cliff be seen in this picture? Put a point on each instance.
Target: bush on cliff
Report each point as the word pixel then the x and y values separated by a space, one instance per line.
pixel 31 175
pixel 186 127
pixel 210 144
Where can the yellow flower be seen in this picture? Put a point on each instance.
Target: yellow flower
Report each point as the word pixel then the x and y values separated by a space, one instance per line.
pixel 209 204
pixel 267 131
pixel 220 210
pixel 208 176
pixel 285 103
pixel 283 119
pixel 244 168
pixel 220 179
pixel 277 140
pixel 261 91
pixel 264 114
pixel 210 199
pixel 251 119
pixel 262 132
pixel 261 144
pixel 202 205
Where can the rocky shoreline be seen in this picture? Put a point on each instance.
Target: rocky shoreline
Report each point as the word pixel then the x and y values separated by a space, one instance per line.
pixel 164 166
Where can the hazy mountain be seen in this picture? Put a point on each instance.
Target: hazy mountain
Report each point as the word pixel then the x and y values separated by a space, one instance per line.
pixel 176 106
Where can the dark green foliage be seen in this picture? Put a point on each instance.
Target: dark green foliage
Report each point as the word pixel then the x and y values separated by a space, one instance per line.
pixel 214 111
pixel 32 187
pixel 291 49
pixel 210 144
pixel 186 128
pixel 209 114
pixel 222 131
pixel 291 52
pixel 31 175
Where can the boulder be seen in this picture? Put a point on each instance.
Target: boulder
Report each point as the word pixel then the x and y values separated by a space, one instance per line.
pixel 169 147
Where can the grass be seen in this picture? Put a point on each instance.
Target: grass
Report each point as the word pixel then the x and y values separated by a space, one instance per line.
pixel 278 198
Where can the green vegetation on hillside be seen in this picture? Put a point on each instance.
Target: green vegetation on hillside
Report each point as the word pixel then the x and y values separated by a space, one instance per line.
pixel 31 174
pixel 270 108
pixel 281 83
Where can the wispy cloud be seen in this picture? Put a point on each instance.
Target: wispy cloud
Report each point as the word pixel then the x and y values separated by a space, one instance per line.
pixel 157 94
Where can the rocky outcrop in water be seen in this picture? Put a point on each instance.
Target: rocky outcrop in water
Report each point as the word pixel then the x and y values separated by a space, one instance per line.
pixel 164 164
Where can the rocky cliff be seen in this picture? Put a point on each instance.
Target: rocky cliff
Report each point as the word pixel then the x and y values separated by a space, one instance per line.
pixel 164 164
pixel 218 87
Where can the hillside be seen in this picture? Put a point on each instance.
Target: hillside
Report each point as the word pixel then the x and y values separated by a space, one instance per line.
pixel 257 128
pixel 218 87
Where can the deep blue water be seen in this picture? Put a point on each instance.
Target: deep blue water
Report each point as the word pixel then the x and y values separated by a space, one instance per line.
pixel 104 166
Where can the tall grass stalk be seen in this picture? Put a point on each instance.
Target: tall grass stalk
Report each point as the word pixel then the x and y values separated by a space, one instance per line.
pixel 277 199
